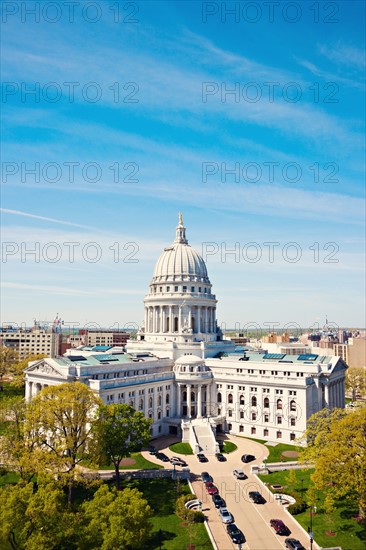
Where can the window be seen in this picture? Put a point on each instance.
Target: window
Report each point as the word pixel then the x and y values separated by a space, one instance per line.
pixel 292 405
pixel 265 432
pixel 241 414
pixel 266 417
pixel 254 416
pixel 242 400
pixel 167 399
pixel 292 437
pixel 159 415
pixel 167 412
pixel 192 288
pixel 254 401
pixel 219 398
pixel 175 289
pixel 230 413
pixel 279 403
pixel 253 431
pixel 184 289
pixel 161 289
pixel 279 435
pixel 230 398
pixel 293 421
pixel 266 403
pixel 279 419
pixel 229 427
pixel 199 289
pixel 241 428
pixel 168 288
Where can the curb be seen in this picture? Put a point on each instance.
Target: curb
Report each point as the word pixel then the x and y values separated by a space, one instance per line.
pixel 210 535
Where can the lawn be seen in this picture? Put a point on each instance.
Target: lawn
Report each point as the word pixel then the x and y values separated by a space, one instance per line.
pixel 349 534
pixel 8 477
pixel 169 533
pixel 229 447
pixel 275 453
pixel 9 391
pixel 140 464
pixel 181 448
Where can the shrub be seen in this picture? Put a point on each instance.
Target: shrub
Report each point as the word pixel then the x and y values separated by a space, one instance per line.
pixel 193 516
pixel 299 506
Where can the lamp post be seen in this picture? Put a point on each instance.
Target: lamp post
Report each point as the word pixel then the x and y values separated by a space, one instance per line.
pixel 310 528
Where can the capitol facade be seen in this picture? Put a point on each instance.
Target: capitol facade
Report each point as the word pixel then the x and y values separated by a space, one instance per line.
pixel 191 381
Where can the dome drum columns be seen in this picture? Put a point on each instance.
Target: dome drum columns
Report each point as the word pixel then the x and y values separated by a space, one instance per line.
pixel 193 400
pixel 181 319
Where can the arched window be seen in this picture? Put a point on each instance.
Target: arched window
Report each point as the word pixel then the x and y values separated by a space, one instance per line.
pixel 254 401
pixel 159 401
pixel 254 416
pixel 279 403
pixel 265 432
pixel 141 404
pixel 150 403
pixel 184 396
pixel 167 412
pixel 230 398
pixel 266 403
pixel 159 415
pixel 242 400
pixel 167 399
pixel 175 324
pixel 292 405
pixel 219 398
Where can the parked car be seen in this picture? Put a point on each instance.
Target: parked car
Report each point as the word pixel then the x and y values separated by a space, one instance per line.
pixel 225 516
pixel 279 527
pixel 247 458
pixel 239 474
pixel 152 450
pixel 211 488
pixel 175 460
pixel 294 544
pixel 257 497
pixel 218 501
pixel 163 457
pixel 202 458
pixel 220 457
pixel 235 534
pixel 206 477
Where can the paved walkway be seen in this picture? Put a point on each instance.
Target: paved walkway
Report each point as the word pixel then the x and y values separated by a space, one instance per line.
pixel 252 519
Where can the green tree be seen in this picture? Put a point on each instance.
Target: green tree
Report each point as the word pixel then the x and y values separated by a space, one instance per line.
pixel 116 519
pixel 121 430
pixel 34 518
pixel 356 381
pixel 62 421
pixel 291 479
pixel 17 369
pixel 338 452
pixel 8 358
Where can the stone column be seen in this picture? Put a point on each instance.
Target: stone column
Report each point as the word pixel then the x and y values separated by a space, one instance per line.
pixel 189 401
pixel 326 395
pixel 28 391
pixel 178 411
pixel 208 399
pixel 162 311
pixel 179 319
pixel 199 401
pixel 189 318
pixel 198 319
pixel 170 319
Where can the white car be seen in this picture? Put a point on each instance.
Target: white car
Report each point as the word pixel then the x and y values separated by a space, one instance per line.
pixel 225 515
pixel 239 474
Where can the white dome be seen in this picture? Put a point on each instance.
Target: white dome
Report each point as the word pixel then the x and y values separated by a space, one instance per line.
pixel 189 360
pixel 180 262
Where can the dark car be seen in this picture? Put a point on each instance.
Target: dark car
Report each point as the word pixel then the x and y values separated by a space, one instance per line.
pixel 279 527
pixel 220 457
pixel 235 534
pixel 205 476
pixel 163 457
pixel 201 457
pixel 247 458
pixel 152 450
pixel 256 497
pixel 294 544
pixel 218 501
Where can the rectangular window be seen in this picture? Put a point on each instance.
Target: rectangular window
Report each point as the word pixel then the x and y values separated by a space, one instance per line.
pixel 192 288
pixel 253 431
pixel 175 289
pixel 168 288
pixel 266 418
pixel 279 435
pixel 184 289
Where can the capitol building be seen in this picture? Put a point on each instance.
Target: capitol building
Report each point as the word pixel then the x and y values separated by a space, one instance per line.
pixel 191 381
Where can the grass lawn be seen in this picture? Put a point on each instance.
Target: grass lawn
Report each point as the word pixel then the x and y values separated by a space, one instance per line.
pixel 229 447
pixel 9 391
pixel 8 477
pixel 349 534
pixel 167 526
pixel 140 464
pixel 276 451
pixel 181 448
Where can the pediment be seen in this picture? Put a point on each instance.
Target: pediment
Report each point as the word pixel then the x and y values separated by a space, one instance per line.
pixel 42 367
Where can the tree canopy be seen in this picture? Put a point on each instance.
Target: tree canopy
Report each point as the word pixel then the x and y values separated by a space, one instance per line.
pixel 121 431
pixel 356 381
pixel 337 445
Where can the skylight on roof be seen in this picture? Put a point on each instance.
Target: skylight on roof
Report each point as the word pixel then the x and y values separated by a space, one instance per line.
pixel 274 355
pixel 307 357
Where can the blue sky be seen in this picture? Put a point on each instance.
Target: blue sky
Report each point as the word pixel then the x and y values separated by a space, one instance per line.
pixel 152 129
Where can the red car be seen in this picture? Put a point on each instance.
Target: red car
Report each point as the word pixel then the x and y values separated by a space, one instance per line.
pixel 211 489
pixel 279 527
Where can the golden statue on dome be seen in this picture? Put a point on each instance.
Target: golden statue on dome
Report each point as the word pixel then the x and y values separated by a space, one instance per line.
pixel 180 218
